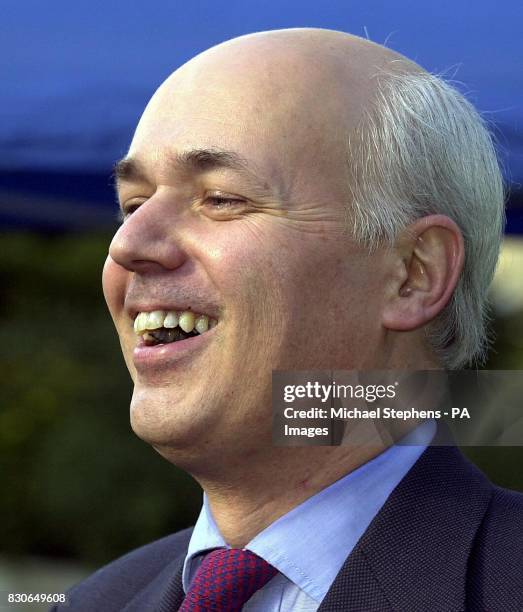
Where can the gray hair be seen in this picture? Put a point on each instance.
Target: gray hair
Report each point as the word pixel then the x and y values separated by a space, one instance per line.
pixel 423 149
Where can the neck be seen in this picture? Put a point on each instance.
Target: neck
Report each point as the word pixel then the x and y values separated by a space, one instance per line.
pixel 250 500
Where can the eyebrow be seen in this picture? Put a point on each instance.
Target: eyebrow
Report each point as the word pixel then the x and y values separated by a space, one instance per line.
pixel 129 169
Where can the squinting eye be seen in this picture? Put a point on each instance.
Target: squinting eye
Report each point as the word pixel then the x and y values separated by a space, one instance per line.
pixel 127 211
pixel 220 202
pixel 130 209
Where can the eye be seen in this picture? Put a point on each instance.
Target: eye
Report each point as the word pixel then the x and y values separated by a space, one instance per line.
pixel 217 202
pixel 126 210
pixel 224 206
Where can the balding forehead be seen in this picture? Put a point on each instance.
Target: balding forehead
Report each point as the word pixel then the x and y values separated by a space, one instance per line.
pixel 300 52
pixel 307 70
pixel 287 100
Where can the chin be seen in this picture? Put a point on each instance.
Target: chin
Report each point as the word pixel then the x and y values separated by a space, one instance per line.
pixel 163 419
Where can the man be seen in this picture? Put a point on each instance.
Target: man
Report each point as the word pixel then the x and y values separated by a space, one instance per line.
pixel 297 200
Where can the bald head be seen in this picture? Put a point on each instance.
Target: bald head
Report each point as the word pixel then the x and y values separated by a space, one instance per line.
pixel 300 91
pixel 313 70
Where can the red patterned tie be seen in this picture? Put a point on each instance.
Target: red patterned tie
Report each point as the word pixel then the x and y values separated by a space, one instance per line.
pixel 225 580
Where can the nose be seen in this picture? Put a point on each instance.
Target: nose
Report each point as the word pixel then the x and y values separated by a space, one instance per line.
pixel 148 239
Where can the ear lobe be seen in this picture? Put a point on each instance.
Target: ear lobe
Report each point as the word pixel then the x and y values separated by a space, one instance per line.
pixel 431 251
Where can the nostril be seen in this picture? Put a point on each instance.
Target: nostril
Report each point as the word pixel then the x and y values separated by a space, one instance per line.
pixel 144 266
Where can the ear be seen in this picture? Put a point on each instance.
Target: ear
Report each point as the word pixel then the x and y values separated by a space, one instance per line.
pixel 429 256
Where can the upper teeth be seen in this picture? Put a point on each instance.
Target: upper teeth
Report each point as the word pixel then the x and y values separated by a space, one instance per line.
pixel 187 320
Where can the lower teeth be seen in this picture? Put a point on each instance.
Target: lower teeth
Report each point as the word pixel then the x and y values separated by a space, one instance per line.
pixel 166 336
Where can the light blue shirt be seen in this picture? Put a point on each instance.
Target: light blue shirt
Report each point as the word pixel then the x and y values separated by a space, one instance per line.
pixel 309 544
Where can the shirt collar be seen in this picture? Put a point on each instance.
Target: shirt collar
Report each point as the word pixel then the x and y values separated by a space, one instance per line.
pixel 310 543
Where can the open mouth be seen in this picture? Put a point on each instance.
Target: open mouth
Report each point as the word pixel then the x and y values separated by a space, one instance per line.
pixel 164 327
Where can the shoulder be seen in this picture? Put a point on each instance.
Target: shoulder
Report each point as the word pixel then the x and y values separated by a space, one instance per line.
pixel 500 536
pixel 503 517
pixel 112 586
pixel 497 557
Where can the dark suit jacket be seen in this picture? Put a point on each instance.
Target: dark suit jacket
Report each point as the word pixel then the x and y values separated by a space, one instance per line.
pixel 445 540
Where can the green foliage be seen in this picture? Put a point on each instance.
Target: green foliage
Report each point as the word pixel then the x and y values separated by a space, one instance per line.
pixel 76 481
pixel 503 464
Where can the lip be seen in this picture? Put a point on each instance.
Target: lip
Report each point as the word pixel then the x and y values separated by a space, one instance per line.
pixel 152 358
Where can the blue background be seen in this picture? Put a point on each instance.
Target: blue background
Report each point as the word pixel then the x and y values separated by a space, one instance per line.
pixel 76 76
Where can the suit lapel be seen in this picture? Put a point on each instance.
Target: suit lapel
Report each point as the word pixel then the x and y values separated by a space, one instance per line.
pixel 164 593
pixel 414 553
